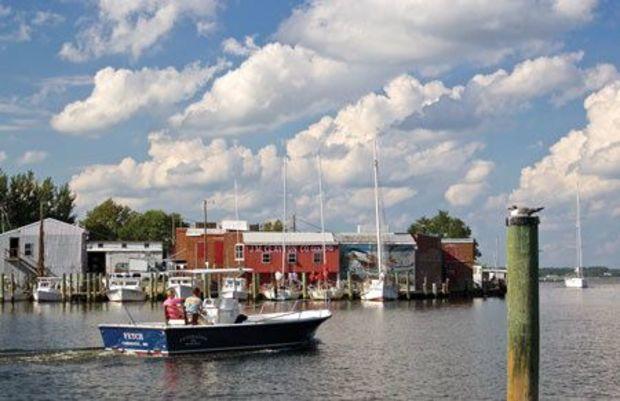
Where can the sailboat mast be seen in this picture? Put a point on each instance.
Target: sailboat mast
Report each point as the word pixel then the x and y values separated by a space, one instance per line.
pixel 377 219
pixel 283 214
pixel 579 243
pixel 318 162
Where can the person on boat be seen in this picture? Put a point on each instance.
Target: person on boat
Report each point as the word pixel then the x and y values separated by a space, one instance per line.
pixel 193 306
pixel 173 307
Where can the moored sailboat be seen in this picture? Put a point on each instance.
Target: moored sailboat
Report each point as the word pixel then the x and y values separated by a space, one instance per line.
pixel 579 280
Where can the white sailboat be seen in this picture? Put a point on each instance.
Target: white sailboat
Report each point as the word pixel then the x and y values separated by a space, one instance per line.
pixel 324 291
pixel 124 287
pixel 282 292
pixel 579 280
pixel 381 288
pixel 48 289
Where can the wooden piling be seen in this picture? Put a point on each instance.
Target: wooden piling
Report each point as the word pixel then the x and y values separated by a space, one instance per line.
pixel 208 285
pixel 63 287
pixel 434 289
pixel 152 287
pixel 1 287
pixel 425 286
pixel 396 284
pixel 70 286
pixel 254 286
pixel 408 283
pixel 12 287
pixel 349 285
pixel 205 284
pixel 304 285
pixel 88 285
pixel 522 301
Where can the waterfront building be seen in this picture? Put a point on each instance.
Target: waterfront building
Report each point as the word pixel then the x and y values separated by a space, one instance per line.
pixel 118 256
pixel 459 256
pixel 64 247
pixel 429 264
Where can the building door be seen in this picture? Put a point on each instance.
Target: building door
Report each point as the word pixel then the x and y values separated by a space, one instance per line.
pixel 14 247
pixel 219 253
pixel 200 256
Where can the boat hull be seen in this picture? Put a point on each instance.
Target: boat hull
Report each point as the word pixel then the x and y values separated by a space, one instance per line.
pixel 47 296
pixel 576 282
pixel 281 294
pixel 125 295
pixel 165 340
pixel 379 290
pixel 332 293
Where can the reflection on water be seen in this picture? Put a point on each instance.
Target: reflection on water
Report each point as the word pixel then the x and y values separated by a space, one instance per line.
pixel 421 350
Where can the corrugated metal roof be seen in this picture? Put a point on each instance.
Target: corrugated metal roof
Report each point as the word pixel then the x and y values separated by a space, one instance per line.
pixel 293 238
pixel 371 238
pixel 50 225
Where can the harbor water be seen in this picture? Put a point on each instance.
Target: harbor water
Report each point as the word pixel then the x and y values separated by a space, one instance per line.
pixel 416 350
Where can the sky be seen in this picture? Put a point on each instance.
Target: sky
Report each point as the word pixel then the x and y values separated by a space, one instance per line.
pixel 475 106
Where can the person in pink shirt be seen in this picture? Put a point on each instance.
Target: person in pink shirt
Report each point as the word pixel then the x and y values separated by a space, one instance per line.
pixel 173 307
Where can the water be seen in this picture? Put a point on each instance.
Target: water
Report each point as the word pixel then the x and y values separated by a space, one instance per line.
pixel 422 350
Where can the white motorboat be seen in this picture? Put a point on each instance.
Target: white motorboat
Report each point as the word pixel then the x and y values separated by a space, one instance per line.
pixel 579 281
pixel 235 288
pixel 281 293
pixel 124 288
pixel 381 288
pixel 48 289
pixel 327 292
pixel 184 286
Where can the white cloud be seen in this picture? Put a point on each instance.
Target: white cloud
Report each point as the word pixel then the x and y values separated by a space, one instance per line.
pixel 236 48
pixel 274 85
pixel 132 27
pixel 47 18
pixel 432 34
pixel 32 157
pixel 473 185
pixel 120 94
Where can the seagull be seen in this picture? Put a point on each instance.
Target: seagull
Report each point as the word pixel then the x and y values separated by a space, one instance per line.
pixel 523 211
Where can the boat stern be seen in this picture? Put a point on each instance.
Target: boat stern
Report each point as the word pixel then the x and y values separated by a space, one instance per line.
pixel 134 339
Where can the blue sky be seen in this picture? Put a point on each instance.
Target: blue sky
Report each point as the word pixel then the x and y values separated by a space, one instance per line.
pixel 161 103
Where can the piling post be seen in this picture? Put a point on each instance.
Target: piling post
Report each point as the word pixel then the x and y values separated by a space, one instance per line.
pixel 12 287
pixel 204 284
pixel 408 283
pixel 523 343
pixel 88 287
pixel 304 285
pixel 349 285
pixel 63 287
pixel 434 289
pixel 152 287
pixel 1 287
pixel 70 292
pixel 208 285
pixel 396 285
pixel 254 287
pixel 425 286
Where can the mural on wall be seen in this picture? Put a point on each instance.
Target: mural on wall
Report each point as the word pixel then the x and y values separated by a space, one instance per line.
pixel 361 259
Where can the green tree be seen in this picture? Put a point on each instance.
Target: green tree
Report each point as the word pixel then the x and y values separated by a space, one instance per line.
pixel 152 225
pixel 272 226
pixel 22 196
pixel 106 221
pixel 441 224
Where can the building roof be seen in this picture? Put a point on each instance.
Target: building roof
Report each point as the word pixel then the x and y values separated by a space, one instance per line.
pixel 235 225
pixel 50 226
pixel 371 238
pixel 457 240
pixel 292 238
pixel 197 232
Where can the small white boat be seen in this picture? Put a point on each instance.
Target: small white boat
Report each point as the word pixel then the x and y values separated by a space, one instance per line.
pixel 183 286
pixel 327 292
pixel 235 288
pixel 379 289
pixel 124 288
pixel 281 293
pixel 48 289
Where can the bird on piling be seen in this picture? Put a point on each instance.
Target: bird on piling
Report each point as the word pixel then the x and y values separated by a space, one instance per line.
pixel 523 211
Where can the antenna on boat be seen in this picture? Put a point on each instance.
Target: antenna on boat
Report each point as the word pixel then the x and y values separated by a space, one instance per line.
pixel 377 218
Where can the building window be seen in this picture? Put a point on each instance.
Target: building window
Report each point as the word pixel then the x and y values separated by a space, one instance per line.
pixel 123 245
pixel 100 245
pixel 292 257
pixel 146 244
pixel 28 249
pixel 266 258
pixel 318 258
pixel 238 252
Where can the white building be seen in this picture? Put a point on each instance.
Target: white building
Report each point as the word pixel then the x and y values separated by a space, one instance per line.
pixel 112 256
pixel 64 249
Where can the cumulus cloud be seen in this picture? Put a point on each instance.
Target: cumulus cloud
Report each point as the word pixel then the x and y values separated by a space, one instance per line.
pixel 120 94
pixel 132 27
pixel 434 34
pixel 473 184
pixel 32 157
pixel 274 85
pixel 236 48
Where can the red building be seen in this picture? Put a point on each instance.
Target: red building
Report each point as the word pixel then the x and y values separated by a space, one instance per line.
pixel 304 253
pixel 428 262
pixel 459 255
pixel 221 247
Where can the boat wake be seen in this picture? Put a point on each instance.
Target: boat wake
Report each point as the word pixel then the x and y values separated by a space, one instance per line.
pixel 12 356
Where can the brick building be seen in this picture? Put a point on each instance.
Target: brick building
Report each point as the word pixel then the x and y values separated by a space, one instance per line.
pixel 220 252
pixel 263 253
pixel 428 262
pixel 459 255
